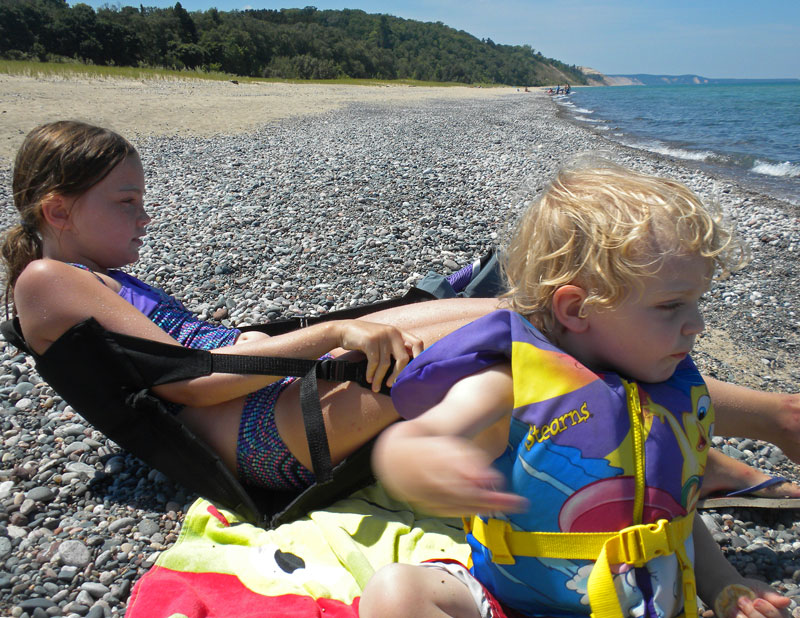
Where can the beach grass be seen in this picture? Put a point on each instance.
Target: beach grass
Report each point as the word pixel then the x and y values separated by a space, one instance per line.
pixel 72 70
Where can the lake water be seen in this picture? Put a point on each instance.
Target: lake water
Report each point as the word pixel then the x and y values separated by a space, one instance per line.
pixel 750 132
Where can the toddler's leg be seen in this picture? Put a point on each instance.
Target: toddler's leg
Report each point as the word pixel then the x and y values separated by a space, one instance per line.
pixel 402 590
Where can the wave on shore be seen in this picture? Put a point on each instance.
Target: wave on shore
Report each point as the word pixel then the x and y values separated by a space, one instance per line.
pixel 715 128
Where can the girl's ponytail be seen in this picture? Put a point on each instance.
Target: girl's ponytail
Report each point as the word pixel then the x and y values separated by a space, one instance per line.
pixel 20 246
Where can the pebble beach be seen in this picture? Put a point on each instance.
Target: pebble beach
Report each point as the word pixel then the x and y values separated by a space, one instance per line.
pixel 321 208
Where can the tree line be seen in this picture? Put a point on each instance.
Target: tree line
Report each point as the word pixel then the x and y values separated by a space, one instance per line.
pixel 289 43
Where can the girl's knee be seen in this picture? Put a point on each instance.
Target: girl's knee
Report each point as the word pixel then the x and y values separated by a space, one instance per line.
pixel 389 590
pixel 251 336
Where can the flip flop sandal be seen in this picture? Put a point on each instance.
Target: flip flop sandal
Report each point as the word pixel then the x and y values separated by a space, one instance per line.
pixel 744 498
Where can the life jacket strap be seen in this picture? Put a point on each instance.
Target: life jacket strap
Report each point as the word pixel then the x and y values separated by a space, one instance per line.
pixel 634 545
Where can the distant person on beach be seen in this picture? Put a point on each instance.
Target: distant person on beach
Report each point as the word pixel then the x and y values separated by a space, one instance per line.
pixel 583 403
pixel 80 190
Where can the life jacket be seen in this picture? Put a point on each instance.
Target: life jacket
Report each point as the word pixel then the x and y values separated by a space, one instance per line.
pixel 612 469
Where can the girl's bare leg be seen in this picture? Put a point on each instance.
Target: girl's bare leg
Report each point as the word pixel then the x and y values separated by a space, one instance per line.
pixel 353 414
pixel 401 590
pixel 434 319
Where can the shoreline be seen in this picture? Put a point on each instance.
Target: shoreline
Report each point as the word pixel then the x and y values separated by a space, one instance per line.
pixel 309 213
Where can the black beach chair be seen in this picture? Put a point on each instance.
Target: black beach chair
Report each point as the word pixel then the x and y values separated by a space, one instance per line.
pixel 107 377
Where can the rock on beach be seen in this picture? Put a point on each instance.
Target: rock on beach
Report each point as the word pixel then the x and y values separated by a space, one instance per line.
pixel 314 213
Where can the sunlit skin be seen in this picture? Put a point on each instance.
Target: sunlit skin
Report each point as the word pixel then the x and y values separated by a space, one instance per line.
pixel 652 330
pixel 104 227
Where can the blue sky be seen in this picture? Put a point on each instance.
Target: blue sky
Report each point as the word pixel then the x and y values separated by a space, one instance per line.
pixel 713 38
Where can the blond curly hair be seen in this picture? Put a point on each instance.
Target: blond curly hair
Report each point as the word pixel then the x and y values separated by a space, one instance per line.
pixel 604 227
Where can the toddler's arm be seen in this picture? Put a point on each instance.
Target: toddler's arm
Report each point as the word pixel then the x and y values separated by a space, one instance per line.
pixel 441 461
pixel 714 573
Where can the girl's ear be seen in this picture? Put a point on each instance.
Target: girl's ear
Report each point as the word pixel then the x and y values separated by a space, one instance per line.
pixel 56 210
pixel 567 308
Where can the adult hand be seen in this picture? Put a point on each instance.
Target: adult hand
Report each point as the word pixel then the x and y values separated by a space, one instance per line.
pixel 443 475
pixel 380 343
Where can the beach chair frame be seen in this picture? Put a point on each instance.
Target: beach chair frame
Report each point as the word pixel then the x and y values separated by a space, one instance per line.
pixel 106 377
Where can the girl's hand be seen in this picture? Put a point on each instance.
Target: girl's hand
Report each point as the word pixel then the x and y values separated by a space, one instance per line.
pixel 379 343
pixel 735 601
pixel 445 476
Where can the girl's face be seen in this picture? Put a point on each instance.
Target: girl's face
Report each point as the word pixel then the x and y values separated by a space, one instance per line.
pixel 107 223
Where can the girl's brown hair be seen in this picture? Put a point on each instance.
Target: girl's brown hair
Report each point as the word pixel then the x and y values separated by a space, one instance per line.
pixel 59 158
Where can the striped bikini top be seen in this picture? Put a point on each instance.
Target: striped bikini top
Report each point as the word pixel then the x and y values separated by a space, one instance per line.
pixel 169 314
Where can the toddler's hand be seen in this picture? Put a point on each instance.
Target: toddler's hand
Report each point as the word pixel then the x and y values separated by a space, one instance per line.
pixel 448 476
pixel 380 343
pixel 751 599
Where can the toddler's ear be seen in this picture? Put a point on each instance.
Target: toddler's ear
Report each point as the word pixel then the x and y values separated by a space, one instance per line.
pixel 568 308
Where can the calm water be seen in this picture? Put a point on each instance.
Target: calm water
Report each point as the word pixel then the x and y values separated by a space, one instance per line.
pixel 749 132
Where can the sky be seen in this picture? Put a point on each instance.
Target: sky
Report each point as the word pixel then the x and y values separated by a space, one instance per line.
pixel 712 38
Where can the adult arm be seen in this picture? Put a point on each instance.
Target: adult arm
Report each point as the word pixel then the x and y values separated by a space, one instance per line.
pixel 441 461
pixel 51 297
pixel 774 417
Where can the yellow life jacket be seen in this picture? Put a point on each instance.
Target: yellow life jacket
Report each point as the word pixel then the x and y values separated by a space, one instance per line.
pixel 612 470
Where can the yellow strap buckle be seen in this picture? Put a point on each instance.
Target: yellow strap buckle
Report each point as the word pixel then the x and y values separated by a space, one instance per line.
pixel 497 541
pixel 638 544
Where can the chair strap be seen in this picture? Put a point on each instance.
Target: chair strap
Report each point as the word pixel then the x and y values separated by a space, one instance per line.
pixel 327 369
pixel 314 422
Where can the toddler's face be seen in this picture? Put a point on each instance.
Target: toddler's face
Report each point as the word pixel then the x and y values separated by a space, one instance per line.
pixel 648 334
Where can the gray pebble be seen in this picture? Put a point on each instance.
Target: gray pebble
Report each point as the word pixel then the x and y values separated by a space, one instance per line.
pixel 120 524
pixel 74 553
pixel 95 589
pixel 41 494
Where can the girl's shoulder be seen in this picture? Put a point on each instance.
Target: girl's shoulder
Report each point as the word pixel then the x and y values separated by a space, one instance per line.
pixel 50 296
pixel 42 272
pixel 49 273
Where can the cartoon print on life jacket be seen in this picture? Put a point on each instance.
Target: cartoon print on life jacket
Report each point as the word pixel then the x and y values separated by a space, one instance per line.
pixel 597 503
pixel 693 436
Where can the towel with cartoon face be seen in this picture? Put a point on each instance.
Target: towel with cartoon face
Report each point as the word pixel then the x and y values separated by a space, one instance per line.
pixel 315 567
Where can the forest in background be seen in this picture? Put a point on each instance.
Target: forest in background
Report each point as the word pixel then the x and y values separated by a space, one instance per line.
pixel 287 43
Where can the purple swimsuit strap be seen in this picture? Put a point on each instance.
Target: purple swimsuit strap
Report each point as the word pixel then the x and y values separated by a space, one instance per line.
pixel 133 290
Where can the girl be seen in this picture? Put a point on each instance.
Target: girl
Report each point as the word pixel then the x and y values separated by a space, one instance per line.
pixel 79 190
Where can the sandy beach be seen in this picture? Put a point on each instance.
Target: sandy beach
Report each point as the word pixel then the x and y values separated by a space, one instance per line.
pixel 273 200
pixel 189 107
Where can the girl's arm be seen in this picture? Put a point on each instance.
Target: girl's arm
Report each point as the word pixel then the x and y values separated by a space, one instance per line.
pixel 51 297
pixel 714 573
pixel 441 461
